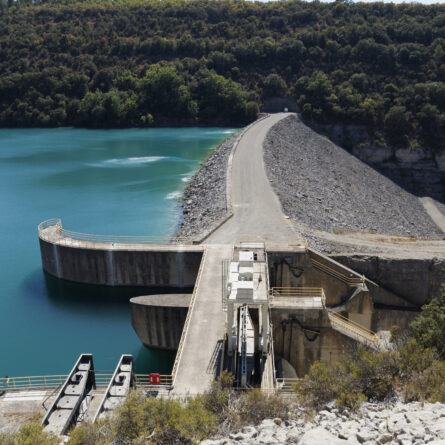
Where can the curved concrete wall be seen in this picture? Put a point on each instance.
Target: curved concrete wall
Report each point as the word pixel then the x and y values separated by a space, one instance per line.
pixel 169 266
pixel 159 319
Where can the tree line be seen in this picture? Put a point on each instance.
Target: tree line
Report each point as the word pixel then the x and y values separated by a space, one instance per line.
pixel 151 62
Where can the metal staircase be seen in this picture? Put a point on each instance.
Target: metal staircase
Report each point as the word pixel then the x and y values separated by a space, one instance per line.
pixel 353 330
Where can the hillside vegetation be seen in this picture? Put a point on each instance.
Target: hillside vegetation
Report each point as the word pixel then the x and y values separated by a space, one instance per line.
pixel 138 63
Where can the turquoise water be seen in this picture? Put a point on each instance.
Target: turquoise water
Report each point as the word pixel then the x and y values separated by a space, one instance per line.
pixel 119 182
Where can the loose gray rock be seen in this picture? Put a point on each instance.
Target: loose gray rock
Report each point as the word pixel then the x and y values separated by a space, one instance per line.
pixel 325 187
pixel 204 202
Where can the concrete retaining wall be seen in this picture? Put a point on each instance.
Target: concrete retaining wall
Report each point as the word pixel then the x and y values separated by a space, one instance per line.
pixel 417 280
pixel 150 267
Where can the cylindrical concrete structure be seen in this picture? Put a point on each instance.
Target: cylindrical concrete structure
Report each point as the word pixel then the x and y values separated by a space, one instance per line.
pixel 159 319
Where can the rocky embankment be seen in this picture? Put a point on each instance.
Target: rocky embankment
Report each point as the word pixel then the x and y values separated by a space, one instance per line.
pixel 324 187
pixel 204 203
pixel 374 424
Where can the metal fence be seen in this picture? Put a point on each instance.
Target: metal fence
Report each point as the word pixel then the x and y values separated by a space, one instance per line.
pixel 68 237
pixel 52 381
pixel 352 280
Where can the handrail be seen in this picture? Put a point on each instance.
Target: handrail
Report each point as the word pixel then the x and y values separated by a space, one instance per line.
pixel 353 327
pixel 352 281
pixel 285 384
pixel 296 291
pixel 52 381
pixel 288 293
pixel 68 237
pixel 187 319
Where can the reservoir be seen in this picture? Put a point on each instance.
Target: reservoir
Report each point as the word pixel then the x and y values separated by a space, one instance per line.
pixel 112 182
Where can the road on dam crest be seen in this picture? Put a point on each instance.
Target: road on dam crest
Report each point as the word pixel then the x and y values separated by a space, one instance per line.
pixel 257 212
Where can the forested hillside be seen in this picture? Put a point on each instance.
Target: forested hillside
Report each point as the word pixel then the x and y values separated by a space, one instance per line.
pixel 138 63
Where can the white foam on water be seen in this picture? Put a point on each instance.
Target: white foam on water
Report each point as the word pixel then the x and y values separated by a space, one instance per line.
pixel 186 177
pixel 174 195
pixel 131 161
pixel 220 132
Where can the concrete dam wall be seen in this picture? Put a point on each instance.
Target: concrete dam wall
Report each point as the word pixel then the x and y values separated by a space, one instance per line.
pixel 109 265
pixel 416 280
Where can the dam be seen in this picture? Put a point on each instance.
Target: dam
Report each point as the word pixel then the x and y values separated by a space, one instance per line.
pixel 260 297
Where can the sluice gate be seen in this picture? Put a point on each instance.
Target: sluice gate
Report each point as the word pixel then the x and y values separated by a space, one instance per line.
pixel 71 402
pixel 122 380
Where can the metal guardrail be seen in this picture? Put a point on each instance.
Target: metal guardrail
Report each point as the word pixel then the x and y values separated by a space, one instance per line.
pixel 70 238
pixel 297 303
pixel 53 381
pixel 351 281
pixel 44 381
pixel 187 319
pixel 286 384
pixel 307 296
pixel 296 292
pixel 356 331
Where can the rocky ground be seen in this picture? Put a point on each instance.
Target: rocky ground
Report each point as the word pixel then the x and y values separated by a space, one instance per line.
pixel 324 187
pixel 204 203
pixel 373 424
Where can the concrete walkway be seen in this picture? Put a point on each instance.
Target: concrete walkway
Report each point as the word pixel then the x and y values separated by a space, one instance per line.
pixel 257 213
pixel 196 368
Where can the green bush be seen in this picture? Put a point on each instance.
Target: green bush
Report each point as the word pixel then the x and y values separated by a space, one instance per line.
pixel 29 434
pixel 364 375
pixel 429 327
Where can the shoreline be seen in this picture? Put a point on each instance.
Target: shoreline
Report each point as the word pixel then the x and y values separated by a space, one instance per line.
pixel 204 205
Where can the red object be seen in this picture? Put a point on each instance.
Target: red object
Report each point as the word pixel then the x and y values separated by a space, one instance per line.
pixel 154 378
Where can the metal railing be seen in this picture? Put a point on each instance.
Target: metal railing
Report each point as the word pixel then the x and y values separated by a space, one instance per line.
pixel 296 292
pixel 351 281
pixel 286 384
pixel 353 329
pixel 143 380
pixel 298 296
pixel 70 238
pixel 53 381
pixel 187 319
pixel 44 381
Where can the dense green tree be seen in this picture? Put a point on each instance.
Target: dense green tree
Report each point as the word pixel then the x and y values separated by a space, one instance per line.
pixel 63 62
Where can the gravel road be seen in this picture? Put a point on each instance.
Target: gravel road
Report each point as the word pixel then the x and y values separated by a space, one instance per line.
pixel 325 187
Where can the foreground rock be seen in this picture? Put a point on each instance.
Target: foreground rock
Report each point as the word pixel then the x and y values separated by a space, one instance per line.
pixel 325 187
pixel 204 203
pixel 374 424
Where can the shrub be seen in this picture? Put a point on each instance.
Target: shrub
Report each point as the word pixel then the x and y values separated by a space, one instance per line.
pixel 30 434
pixel 429 326
pixel 364 375
pixel 256 406
pixel 91 433
pixel 323 383
pixel 428 384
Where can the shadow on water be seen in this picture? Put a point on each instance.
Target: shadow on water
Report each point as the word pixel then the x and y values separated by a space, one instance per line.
pixel 75 296
pixel 145 358
pixel 104 304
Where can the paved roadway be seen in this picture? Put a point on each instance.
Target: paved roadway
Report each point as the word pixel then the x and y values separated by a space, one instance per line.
pixel 257 211
pixel 257 216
